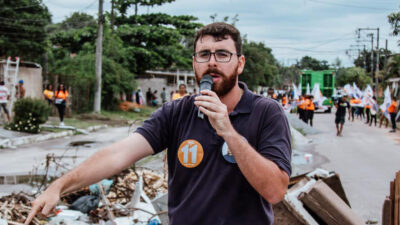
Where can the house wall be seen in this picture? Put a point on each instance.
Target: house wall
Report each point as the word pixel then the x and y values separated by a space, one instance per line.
pixel 32 78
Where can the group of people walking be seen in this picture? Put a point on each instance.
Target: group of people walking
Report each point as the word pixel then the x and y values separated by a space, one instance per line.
pixel 152 98
pixel 59 98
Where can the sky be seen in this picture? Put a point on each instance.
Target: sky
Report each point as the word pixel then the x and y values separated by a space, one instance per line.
pixel 323 29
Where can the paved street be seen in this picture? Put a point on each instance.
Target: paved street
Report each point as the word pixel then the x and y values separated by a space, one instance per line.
pixel 366 158
pixel 22 159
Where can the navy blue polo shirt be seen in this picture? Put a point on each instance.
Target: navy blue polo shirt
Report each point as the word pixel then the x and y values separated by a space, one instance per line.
pixel 205 185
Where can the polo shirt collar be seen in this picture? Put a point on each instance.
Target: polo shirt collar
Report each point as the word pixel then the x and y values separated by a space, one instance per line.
pixel 246 101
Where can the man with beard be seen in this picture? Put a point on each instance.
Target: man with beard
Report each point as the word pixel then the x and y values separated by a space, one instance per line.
pixel 227 168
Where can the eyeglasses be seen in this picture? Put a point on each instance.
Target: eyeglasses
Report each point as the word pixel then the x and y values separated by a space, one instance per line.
pixel 220 56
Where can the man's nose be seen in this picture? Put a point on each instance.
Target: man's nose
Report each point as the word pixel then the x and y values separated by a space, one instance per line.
pixel 212 62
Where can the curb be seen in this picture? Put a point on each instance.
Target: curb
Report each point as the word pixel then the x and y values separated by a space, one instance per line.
pixel 14 142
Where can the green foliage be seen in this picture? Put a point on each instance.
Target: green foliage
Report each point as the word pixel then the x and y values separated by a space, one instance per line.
pixel 392 67
pixel 123 5
pixel 353 74
pixel 28 115
pixel 74 32
pixel 364 60
pixel 394 20
pixel 261 67
pixel 157 40
pixel 22 28
pixel 288 75
pixel 79 74
pixel 308 62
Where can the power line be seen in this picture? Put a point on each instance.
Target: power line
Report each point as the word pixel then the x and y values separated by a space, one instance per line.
pixel 348 5
pixel 306 50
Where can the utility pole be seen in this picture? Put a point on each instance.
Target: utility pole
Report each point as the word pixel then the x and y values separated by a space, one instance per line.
pixel 377 57
pixel 99 50
pixel 377 63
pixel 372 54
pixel 112 15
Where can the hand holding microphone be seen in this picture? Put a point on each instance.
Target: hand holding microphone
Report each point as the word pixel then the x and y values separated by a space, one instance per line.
pixel 206 83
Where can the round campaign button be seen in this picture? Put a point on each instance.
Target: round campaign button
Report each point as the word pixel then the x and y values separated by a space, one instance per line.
pixel 227 154
pixel 190 153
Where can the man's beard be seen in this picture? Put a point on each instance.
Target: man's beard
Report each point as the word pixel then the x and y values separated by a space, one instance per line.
pixel 225 85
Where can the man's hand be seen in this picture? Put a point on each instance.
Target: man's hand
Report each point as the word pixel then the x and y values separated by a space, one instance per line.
pixel 217 112
pixel 44 204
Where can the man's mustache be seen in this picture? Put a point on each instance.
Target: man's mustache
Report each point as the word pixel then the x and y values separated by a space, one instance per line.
pixel 214 71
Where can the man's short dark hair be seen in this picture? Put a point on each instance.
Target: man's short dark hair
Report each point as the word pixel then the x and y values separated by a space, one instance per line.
pixel 2 82
pixel 220 31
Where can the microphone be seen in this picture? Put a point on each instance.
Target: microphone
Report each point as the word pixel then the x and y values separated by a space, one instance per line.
pixel 206 83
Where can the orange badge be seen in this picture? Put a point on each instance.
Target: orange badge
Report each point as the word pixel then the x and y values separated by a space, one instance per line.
pixel 190 153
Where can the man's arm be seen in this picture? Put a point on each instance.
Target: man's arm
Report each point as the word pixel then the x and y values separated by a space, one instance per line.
pixel 264 175
pixel 103 164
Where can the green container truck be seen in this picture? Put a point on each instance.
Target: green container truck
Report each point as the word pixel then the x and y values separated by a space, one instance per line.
pixel 326 80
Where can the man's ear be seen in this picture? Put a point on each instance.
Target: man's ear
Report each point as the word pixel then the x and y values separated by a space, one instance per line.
pixel 241 63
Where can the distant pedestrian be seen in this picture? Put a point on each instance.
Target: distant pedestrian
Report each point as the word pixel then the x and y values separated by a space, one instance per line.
pixel 301 108
pixel 148 97
pixel 20 90
pixel 341 105
pixel 61 98
pixel 48 94
pixel 393 112
pixel 4 97
pixel 181 92
pixel 368 107
pixel 163 96
pixel 374 110
pixel 310 108
pixel 154 101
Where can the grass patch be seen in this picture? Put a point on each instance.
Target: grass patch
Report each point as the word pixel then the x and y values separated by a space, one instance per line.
pixel 143 114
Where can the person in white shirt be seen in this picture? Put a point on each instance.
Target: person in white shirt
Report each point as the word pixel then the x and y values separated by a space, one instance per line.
pixel 4 96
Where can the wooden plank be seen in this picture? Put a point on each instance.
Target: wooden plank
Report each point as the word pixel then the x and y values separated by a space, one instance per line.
pixel 397 199
pixel 386 211
pixel 392 201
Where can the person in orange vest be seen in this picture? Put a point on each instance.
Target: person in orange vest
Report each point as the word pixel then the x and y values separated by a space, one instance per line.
pixel 48 94
pixel 301 107
pixel 61 97
pixel 284 100
pixel 310 108
pixel 393 112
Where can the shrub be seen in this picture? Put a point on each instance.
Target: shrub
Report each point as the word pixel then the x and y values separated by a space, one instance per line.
pixel 28 115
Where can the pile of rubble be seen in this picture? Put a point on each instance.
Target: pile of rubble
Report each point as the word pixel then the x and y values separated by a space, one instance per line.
pixel 126 198
pixel 15 208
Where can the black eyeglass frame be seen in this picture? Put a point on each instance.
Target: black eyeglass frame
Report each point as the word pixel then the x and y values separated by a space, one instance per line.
pixel 213 53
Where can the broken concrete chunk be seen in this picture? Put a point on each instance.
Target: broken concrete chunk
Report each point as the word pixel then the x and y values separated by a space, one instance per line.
pixel 325 203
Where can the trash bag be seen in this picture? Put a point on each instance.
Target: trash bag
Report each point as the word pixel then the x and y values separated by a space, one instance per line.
pixel 86 203
pixel 94 188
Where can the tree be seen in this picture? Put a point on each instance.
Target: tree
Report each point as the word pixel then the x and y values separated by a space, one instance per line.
pixel 289 75
pixel 364 60
pixel 73 58
pixel 22 28
pixel 155 40
pixel 394 20
pixel 353 74
pixel 392 67
pixel 74 32
pixel 261 66
pixel 310 63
